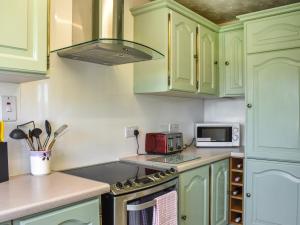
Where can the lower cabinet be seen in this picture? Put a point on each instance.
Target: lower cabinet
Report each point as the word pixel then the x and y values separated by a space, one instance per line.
pixel 272 193
pixel 86 213
pixel 7 223
pixel 203 195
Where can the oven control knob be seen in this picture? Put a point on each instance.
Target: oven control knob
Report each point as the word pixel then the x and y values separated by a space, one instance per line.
pixel 137 181
pixel 235 137
pixel 172 170
pixel 128 183
pixel 119 185
pixel 168 172
pixel 162 174
pixel 157 175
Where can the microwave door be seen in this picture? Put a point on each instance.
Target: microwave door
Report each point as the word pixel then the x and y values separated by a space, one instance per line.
pixel 214 134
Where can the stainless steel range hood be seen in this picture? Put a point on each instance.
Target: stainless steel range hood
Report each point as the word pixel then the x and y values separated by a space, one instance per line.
pixel 96 28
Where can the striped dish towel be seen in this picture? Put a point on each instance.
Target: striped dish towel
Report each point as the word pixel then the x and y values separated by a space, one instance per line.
pixel 165 209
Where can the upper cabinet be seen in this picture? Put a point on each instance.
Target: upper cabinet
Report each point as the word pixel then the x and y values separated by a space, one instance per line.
pixel 189 44
pixel 273 33
pixel 23 39
pixel 183 53
pixel 208 66
pixel 231 61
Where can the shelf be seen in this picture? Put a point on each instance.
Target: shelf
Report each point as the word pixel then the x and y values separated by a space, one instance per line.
pixel 237 184
pixel 236 210
pixel 240 197
pixel 237 171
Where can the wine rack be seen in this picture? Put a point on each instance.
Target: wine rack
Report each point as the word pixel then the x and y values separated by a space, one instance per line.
pixel 236 191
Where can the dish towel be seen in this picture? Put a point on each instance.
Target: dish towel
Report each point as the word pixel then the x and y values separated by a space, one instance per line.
pixel 165 209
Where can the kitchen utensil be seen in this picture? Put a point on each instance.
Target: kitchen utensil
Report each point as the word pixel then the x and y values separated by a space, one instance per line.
pixel 25 124
pixel 36 132
pixel 19 134
pixel 48 131
pixel 1 131
pixel 56 133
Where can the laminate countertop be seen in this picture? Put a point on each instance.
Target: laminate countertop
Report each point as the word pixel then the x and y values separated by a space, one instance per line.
pixel 26 195
pixel 206 156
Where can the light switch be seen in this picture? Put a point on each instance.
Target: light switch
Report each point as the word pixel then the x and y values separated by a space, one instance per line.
pixel 8 108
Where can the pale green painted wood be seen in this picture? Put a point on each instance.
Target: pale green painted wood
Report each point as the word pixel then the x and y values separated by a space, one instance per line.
pixel 194 196
pixel 6 223
pixel 219 192
pixel 275 193
pixel 23 39
pixel 183 50
pixel 273 33
pixel 86 213
pixel 151 29
pixel 273 90
pixel 231 76
pixel 208 73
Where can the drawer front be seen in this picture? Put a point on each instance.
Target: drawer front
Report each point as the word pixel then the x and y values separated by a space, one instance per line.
pixel 273 33
pixel 81 214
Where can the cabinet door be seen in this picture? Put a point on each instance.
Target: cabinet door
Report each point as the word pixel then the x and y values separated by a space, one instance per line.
pixel 273 33
pixel 232 64
pixel 82 214
pixel 194 197
pixel 208 77
pixel 219 192
pixel 183 51
pixel 273 101
pixel 7 223
pixel 273 191
pixel 23 39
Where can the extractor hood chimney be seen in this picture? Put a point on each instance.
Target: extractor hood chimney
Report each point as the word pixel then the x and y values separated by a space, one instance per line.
pixel 96 28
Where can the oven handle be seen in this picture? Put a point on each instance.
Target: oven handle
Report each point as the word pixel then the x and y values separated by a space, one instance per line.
pixel 141 206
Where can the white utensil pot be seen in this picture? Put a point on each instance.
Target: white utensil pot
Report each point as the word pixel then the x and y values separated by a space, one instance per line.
pixel 40 162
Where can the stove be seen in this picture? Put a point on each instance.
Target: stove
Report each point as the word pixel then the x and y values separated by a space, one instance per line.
pixel 125 177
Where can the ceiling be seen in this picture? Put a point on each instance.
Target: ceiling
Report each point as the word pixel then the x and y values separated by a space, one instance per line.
pixel 222 11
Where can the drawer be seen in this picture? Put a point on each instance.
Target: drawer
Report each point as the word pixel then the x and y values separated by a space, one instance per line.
pixel 86 213
pixel 273 33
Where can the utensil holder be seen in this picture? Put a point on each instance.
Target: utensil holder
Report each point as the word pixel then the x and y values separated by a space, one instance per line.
pixel 4 176
pixel 40 162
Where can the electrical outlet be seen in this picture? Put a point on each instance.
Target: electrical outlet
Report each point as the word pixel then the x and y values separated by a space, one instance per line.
pixel 8 108
pixel 129 131
pixel 174 127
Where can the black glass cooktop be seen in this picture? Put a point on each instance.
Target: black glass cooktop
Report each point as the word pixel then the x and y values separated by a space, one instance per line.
pixel 112 172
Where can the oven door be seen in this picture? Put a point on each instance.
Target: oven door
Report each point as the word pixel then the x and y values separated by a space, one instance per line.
pixel 135 208
pixel 214 136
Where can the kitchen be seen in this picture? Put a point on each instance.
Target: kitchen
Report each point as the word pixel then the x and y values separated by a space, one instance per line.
pixel 98 102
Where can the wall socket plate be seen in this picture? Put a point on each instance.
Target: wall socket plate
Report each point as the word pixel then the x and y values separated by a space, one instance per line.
pixel 8 108
pixel 129 131
pixel 174 127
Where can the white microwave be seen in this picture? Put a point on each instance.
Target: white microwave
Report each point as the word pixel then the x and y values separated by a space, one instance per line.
pixel 217 134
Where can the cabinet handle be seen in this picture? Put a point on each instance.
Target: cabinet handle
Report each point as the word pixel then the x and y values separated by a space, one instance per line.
pixel 249 106
pixel 74 222
pixel 183 217
pixel 248 195
pixel 227 63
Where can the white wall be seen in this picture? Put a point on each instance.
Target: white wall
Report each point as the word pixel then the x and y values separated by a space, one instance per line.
pixel 97 102
pixel 226 110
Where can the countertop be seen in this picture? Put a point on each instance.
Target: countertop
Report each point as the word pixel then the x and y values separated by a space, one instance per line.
pixel 26 195
pixel 208 155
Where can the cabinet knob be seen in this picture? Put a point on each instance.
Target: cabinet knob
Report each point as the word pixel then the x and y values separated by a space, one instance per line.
pixel 227 63
pixel 249 106
pixel 216 62
pixel 248 195
pixel 183 217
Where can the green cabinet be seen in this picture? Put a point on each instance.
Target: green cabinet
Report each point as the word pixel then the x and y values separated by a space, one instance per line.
pixel 219 192
pixel 23 39
pixel 231 75
pixel 183 53
pixel 272 193
pixel 273 101
pixel 203 195
pixel 194 197
pixel 208 66
pixel 7 223
pixel 86 213
pixel 273 33
pixel 190 51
